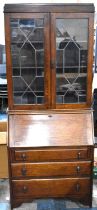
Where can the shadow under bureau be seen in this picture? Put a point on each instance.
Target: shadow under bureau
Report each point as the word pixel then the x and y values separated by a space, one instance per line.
pixel 50 155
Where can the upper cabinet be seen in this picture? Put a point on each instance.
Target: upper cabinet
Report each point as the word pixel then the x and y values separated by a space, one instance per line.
pixel 49 51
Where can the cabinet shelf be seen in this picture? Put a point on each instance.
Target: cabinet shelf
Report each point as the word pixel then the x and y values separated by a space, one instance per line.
pixel 69 40
pixel 71 75
pixel 81 66
pixel 21 42
pixel 25 27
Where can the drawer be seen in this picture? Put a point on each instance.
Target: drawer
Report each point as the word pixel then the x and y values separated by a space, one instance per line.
pixel 40 155
pixel 37 188
pixel 51 169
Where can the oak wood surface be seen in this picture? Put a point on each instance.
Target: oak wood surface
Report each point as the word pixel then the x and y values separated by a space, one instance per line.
pixel 50 130
pixel 51 169
pixel 50 151
pixel 74 8
pixel 51 154
pixel 50 187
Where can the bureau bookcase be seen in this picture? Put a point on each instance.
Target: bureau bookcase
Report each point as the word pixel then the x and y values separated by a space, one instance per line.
pixel 49 56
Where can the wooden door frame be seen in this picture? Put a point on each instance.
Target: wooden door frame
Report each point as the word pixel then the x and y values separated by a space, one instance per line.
pixel 90 17
pixel 11 104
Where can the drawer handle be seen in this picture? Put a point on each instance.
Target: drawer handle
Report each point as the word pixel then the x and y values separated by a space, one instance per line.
pixel 23 171
pixel 78 187
pixel 23 156
pixel 79 155
pixel 25 189
pixel 78 169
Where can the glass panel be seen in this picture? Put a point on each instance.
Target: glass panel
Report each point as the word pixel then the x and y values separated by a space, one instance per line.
pixel 27 47
pixel 28 74
pixel 37 85
pixel 18 84
pixel 27 55
pixel 36 35
pixel 39 57
pixel 71 60
pixel 16 72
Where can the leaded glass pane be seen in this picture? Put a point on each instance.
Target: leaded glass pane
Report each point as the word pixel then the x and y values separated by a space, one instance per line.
pixel 37 85
pixel 28 74
pixel 71 60
pixel 27 55
pixel 16 72
pixel 27 47
pixel 18 84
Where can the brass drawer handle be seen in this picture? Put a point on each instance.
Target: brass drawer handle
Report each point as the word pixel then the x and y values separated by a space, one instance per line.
pixel 78 187
pixel 23 156
pixel 23 171
pixel 25 189
pixel 79 155
pixel 78 169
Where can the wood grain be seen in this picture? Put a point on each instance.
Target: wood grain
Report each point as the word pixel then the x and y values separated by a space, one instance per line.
pixel 50 130
pixel 51 169
pixel 50 187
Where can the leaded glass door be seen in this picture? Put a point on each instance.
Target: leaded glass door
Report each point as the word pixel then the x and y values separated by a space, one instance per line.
pixel 29 35
pixel 70 67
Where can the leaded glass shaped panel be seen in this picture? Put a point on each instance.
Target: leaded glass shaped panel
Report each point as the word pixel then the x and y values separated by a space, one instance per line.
pixel 27 48
pixel 71 60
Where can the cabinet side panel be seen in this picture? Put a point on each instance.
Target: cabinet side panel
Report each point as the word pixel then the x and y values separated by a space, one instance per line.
pixel 8 60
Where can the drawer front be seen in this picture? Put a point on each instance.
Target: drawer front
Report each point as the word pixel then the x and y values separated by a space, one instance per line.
pixel 50 187
pixel 51 155
pixel 51 169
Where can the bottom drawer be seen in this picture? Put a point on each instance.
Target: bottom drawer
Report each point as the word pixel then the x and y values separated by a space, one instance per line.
pixel 37 188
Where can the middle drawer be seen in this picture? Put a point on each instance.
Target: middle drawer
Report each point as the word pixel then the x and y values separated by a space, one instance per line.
pixel 51 169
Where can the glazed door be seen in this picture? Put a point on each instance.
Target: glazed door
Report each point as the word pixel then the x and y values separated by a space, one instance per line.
pixel 28 60
pixel 71 52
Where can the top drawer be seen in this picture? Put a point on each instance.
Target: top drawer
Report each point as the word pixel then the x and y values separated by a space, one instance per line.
pixel 40 155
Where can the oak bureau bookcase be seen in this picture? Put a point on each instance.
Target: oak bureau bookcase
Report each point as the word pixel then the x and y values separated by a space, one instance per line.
pixel 49 55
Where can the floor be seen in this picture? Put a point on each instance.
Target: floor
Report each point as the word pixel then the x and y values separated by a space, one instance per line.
pixel 3 117
pixel 43 204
